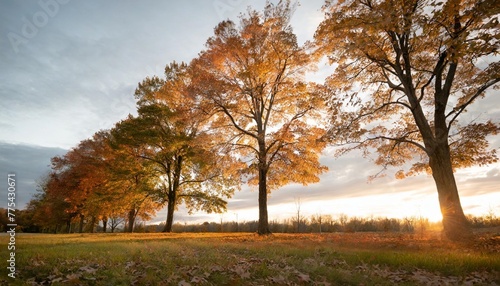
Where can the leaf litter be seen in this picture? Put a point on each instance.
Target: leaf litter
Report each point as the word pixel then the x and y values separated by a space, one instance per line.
pixel 245 266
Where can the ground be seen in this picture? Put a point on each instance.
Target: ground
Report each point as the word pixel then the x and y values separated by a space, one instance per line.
pixel 249 259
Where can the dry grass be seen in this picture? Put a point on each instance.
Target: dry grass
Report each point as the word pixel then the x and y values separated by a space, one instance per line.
pixel 248 259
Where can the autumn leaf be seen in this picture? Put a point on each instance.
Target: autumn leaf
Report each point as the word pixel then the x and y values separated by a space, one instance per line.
pixel 278 279
pixel 88 269
pixel 198 280
pixel 303 277
pixel 241 271
pixel 183 283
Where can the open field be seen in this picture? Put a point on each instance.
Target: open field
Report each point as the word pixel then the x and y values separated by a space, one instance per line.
pixel 247 259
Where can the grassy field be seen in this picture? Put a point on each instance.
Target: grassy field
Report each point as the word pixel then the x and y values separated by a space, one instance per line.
pixel 247 259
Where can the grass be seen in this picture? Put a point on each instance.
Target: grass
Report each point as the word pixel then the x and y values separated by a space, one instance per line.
pixel 247 259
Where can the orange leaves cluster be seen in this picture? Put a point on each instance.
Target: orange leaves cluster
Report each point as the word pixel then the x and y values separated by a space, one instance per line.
pixel 252 76
pixel 97 181
pixel 409 69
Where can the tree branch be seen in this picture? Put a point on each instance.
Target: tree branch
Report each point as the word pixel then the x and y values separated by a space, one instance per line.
pixel 401 140
pixel 235 124
pixel 459 109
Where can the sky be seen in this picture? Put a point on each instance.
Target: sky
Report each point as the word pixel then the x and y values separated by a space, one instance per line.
pixel 69 68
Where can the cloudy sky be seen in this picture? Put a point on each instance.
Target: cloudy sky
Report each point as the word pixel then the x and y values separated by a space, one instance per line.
pixel 69 68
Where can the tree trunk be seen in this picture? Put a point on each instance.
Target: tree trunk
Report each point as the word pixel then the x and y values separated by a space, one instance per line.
pixel 170 214
pixel 172 194
pixel 80 227
pixel 263 228
pixel 455 224
pixel 131 220
pixel 92 224
pixel 104 224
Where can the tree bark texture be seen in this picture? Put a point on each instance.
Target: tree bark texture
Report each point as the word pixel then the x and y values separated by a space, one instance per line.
pixel 170 213
pixel 172 194
pixel 455 224
pixel 263 228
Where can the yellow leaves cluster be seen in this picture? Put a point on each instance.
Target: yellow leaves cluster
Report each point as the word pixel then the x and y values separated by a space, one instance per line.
pixel 402 65
pixel 253 77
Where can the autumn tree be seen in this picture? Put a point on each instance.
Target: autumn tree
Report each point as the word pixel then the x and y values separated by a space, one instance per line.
pixel 407 71
pixel 70 180
pixel 130 188
pixel 48 210
pixel 93 181
pixel 251 80
pixel 169 130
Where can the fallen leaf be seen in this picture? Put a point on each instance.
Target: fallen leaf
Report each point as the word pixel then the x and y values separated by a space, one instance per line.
pixel 303 277
pixel 88 269
pixel 197 279
pixel 217 268
pixel 242 272
pixel 183 283
pixel 278 280
pixel 72 277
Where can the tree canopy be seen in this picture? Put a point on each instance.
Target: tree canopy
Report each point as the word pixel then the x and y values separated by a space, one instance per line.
pixel 251 81
pixel 170 130
pixel 407 72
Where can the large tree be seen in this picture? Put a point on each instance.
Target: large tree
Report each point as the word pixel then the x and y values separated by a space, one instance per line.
pixel 251 79
pixel 407 72
pixel 169 129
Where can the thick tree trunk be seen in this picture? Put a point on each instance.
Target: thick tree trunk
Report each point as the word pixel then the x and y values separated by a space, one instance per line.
pixel 455 224
pixel 263 228
pixel 170 215
pixel 172 194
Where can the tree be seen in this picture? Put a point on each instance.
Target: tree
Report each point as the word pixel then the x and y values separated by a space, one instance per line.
pixel 131 186
pixel 298 204
pixel 93 181
pixel 251 80
pixel 407 72
pixel 73 177
pixel 169 131
pixel 49 207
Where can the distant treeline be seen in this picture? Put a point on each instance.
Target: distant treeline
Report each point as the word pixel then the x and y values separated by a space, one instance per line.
pixel 325 224
pixel 312 224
